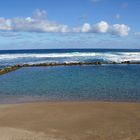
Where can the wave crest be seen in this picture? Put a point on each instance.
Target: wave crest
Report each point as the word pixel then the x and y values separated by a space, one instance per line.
pixel 73 56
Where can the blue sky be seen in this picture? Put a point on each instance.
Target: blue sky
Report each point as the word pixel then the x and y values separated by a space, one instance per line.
pixel 35 24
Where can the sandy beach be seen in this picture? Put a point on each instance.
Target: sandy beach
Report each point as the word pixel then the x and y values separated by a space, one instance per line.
pixel 70 121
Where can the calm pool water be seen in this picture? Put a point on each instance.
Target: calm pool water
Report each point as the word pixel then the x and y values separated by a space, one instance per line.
pixel 86 83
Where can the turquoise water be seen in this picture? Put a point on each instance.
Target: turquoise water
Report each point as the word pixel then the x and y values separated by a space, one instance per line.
pixel 86 83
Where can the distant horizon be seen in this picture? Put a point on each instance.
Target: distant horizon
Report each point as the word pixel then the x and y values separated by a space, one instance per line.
pixel 73 49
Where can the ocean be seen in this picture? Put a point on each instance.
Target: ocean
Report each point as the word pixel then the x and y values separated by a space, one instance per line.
pixel 12 57
pixel 108 82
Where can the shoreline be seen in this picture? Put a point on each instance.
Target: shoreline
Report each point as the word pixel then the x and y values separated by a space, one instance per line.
pixel 13 99
pixel 34 101
pixel 70 121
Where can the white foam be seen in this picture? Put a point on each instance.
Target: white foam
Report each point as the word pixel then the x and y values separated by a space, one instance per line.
pixel 107 56
pixel 47 55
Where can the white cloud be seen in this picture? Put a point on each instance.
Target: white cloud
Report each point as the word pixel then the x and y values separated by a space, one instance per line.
pixel 120 29
pixel 37 25
pixel 38 22
pixel 104 28
pixel 85 28
pixel 101 27
pixel 5 24
pixel 39 14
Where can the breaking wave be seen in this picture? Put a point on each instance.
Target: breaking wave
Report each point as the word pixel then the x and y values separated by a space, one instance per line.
pixel 68 57
pixel 112 56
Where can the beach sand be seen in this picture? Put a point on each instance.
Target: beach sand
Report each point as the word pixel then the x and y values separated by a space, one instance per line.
pixel 70 121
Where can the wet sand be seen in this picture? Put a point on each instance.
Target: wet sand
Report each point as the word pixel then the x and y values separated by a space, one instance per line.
pixel 70 121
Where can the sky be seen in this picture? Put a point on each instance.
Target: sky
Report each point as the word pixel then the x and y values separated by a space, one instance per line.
pixel 49 24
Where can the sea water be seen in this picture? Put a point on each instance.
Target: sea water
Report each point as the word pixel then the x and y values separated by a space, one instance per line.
pixel 12 57
pixel 72 83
